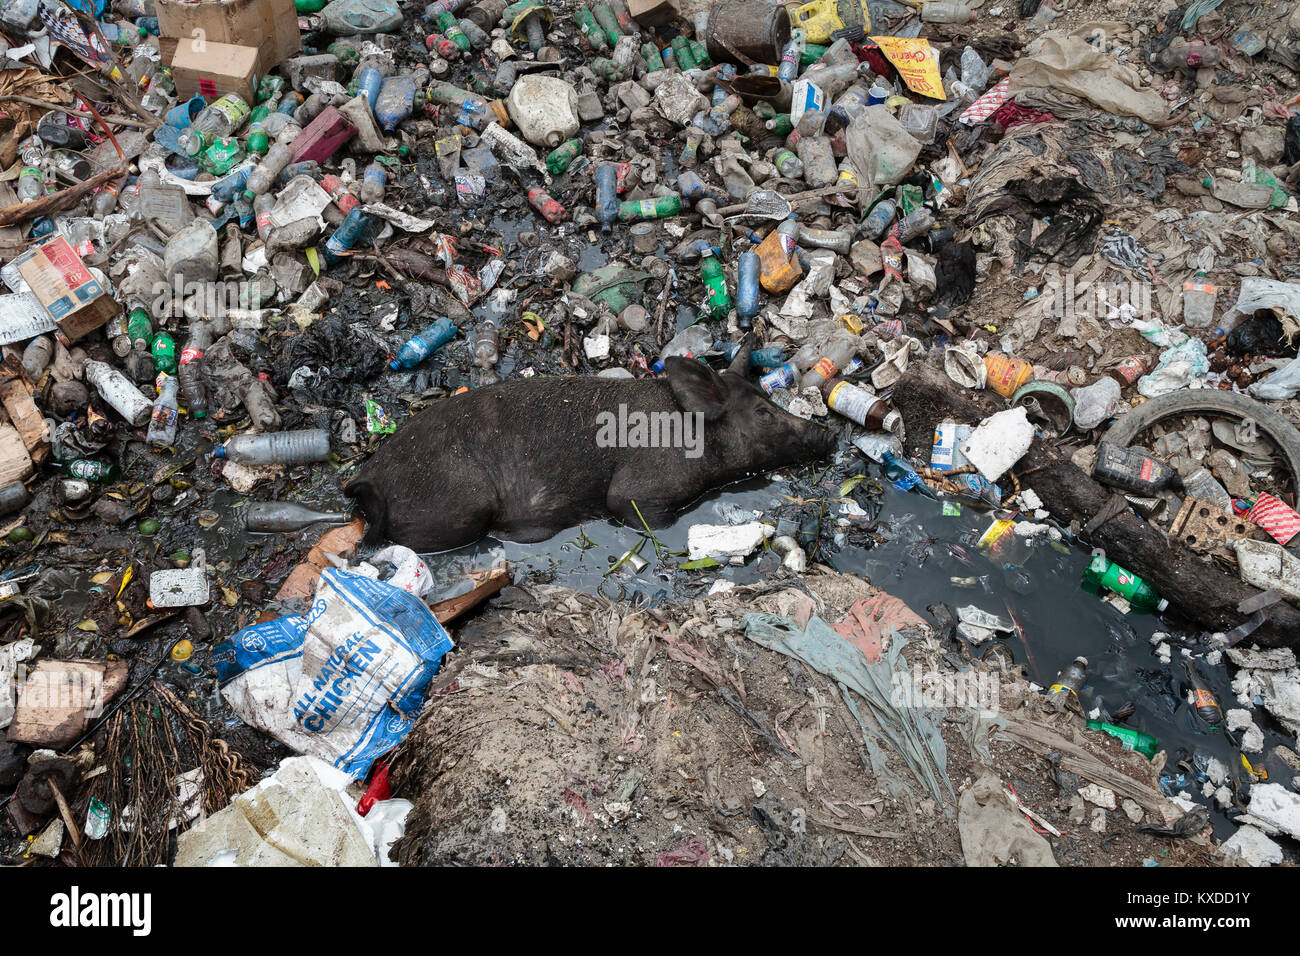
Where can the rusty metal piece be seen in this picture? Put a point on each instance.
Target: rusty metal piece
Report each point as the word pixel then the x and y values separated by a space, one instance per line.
pixel 1203 527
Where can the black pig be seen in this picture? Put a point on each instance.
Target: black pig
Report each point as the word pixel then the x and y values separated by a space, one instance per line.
pixel 523 460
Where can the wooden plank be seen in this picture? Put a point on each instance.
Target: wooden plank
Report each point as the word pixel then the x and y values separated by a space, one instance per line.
pixel 15 462
pixel 27 418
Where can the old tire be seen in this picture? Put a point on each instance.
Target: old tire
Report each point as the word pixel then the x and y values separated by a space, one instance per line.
pixel 1206 400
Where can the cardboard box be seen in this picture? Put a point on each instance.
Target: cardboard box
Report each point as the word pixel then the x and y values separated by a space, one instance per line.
pixel 218 69
pixel 69 292
pixel 269 25
pixel 650 13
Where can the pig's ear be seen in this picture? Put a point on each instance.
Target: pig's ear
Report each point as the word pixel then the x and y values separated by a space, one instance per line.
pixel 696 387
pixel 740 364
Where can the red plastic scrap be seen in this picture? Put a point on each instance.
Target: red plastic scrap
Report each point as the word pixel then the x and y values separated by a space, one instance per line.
pixel 867 621
pixel 691 853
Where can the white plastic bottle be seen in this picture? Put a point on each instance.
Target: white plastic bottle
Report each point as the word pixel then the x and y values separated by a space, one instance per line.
pixel 119 392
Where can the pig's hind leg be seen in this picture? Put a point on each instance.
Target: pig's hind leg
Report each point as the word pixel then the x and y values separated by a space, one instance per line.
pixel 625 501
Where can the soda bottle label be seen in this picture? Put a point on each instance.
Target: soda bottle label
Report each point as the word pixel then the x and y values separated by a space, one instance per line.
pixel 190 354
pixel 825 368
pixel 1205 699
pixel 233 108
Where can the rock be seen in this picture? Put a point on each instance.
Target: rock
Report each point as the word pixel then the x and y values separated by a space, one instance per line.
pixel 1252 738
pixel 1098 822
pixel 713 541
pixel 1276 806
pixel 1098 795
pixel 1251 846
pixel 1264 144
pixel 1132 810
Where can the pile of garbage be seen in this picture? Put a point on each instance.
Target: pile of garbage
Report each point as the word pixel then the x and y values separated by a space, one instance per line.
pixel 301 297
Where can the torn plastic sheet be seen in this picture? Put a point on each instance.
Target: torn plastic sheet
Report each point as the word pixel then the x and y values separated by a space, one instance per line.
pixel 914 731
pixel 346 682
pixel 159 165
pixel 398 218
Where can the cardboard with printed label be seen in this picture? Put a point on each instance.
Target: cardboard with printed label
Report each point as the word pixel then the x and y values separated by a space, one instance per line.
pixel 70 293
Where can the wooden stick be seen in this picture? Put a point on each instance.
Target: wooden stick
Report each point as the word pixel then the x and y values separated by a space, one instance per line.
pixel 32 101
pixel 453 608
pixel 45 205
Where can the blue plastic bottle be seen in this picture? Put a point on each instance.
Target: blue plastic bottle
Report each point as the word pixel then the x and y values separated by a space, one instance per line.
pixel 347 235
pixel 182 115
pixel 231 185
pixel 420 347
pixel 748 268
pixel 395 101
pixel 758 358
pixel 606 195
pixel 369 83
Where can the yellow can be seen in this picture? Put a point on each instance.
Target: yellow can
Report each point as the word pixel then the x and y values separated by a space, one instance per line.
pixel 821 18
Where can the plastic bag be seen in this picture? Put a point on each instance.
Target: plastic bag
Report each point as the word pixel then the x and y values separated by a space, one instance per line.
pixel 880 149
pixel 1282 384
pixel 412 574
pixel 344 683
pixel 1178 368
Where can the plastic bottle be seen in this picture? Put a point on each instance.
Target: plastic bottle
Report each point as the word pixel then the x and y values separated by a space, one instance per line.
pixel 1068 683
pixel 942 11
pixel 1102 573
pixel 563 155
pixel 105 200
pixel 486 343
pixel 902 475
pixel 119 392
pixel 263 176
pixel 914 224
pixel 859 405
pixel 1203 699
pixel 163 350
pixel 165 415
pixel 758 358
pixel 262 207
pixel 373 181
pixel 189 373
pixel 218 120
pixel 397 99
pixel 1182 53
pixel 1132 470
pixel 260 407
pixel 789 67
pixel 346 235
pixel 788 164
pixel 277 448
pixel 31 184
pixel 834 357
pixel 546 205
pixel 1132 739
pixel 878 220
pixel 37 356
pixel 718 301
pixel 13 497
pixel 661 207
pixel 279 516
pixel 692 341
pixel 748 269
pixel 1198 302
pixel 419 347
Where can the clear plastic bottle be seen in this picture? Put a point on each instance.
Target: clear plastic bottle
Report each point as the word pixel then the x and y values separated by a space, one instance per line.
pixel 259 406
pixel 37 356
pixel 277 448
pixel 190 371
pixel 834 357
pixel 1198 302
pixel 942 11
pixel 263 176
pixel 373 181
pixel 105 200
pixel 31 184
pixel 486 344
pixel 166 413
pixel 218 120
pixel 790 54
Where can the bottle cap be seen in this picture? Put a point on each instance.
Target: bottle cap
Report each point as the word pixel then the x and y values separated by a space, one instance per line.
pixel 395 365
pixel 219 451
pixel 891 421
pixel 1162 604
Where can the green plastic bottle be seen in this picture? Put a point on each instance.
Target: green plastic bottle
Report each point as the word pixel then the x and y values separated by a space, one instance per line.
pixel 222 156
pixel 309 6
pixel 139 328
pixel 661 207
pixel 715 286
pixel 653 61
pixel 1103 574
pixel 1132 739
pixel 685 57
pixel 163 349
pixel 563 155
